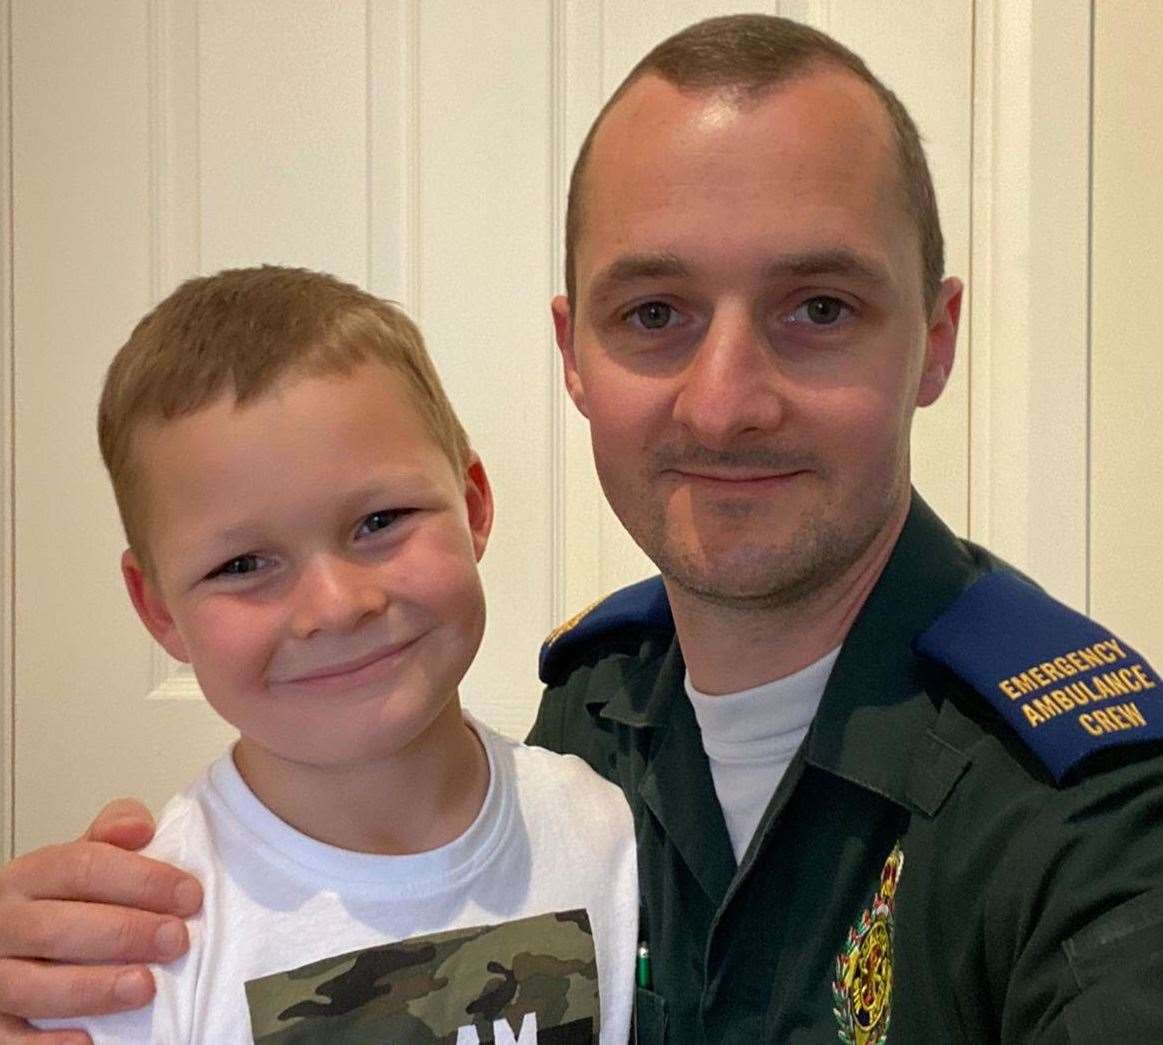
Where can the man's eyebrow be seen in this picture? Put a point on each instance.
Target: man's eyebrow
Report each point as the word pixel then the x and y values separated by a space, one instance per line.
pixel 655 265
pixel 631 267
pixel 839 262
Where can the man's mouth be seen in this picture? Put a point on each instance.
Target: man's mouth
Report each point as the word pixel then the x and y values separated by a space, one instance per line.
pixel 739 476
pixel 741 467
pixel 733 480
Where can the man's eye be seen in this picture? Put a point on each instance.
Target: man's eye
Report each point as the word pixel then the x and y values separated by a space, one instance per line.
pixel 379 521
pixel 654 315
pixel 821 311
pixel 237 566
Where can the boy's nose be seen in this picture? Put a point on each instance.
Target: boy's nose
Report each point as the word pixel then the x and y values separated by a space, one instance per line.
pixel 335 595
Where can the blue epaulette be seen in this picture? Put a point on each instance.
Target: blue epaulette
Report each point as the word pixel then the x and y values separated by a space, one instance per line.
pixel 1062 682
pixel 641 606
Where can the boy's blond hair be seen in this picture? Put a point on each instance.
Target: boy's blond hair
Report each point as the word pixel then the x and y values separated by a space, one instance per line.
pixel 238 333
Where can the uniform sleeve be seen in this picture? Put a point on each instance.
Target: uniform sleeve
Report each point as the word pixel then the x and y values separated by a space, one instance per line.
pixel 564 724
pixel 1117 964
pixel 547 727
pixel 1090 926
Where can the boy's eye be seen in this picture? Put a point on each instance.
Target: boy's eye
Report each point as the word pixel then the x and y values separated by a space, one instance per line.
pixel 237 566
pixel 380 520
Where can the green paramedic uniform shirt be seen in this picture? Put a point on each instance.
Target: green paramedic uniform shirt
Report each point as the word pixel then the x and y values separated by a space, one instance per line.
pixel 918 876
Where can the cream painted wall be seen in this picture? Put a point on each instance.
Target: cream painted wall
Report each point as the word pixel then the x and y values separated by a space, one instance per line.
pixel 7 687
pixel 423 148
pixel 1126 362
pixel 1027 362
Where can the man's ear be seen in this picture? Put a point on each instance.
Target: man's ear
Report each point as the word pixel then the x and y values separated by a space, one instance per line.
pixel 478 499
pixel 563 331
pixel 940 341
pixel 147 600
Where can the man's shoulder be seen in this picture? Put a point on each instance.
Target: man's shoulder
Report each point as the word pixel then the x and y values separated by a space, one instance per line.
pixel 600 669
pixel 1059 682
pixel 617 623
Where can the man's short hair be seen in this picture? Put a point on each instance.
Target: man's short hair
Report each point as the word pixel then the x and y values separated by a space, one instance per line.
pixel 238 333
pixel 749 55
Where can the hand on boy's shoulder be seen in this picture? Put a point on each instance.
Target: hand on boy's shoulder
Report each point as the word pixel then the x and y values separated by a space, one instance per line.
pixel 124 823
pixel 130 911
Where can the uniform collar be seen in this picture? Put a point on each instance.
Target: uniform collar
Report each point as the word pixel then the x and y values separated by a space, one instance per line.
pixel 877 723
pixel 642 686
pixel 644 690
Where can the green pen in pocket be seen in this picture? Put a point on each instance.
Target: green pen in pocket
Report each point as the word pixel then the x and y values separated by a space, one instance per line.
pixel 642 967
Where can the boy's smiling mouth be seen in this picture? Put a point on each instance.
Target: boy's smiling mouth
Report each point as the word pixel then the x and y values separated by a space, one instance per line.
pixel 351 671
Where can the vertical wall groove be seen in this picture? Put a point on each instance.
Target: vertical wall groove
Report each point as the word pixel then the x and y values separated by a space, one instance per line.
pixel 393 193
pixel 7 450
pixel 980 240
pixel 157 26
pixel 369 102
pixel 967 302
pixel 157 20
pixel 1088 475
pixel 393 159
pixel 196 200
pixel 412 236
pixel 174 208
pixel 558 168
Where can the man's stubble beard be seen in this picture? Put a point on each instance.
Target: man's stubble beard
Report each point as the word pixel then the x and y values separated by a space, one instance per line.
pixel 752 573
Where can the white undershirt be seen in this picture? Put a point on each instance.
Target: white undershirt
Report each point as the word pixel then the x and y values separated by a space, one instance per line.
pixel 750 738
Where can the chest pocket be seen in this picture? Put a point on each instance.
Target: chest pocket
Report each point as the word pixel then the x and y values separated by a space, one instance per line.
pixel 649 1018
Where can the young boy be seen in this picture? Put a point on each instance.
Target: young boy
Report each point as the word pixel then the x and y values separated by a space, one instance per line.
pixel 304 517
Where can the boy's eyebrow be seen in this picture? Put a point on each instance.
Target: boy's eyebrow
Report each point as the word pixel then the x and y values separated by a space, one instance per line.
pixel 243 533
pixel 390 485
pixel 385 488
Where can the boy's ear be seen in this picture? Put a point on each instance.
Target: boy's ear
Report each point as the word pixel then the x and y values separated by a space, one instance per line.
pixel 478 499
pixel 150 608
pixel 563 332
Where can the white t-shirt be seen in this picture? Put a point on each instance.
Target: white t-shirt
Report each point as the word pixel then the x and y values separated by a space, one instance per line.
pixel 750 738
pixel 494 935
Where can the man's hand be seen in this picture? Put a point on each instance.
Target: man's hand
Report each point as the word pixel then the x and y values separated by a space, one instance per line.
pixel 92 901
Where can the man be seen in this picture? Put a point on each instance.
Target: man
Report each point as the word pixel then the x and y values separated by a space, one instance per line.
pixel 885 803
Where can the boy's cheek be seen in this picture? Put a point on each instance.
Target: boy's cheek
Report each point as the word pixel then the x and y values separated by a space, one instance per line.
pixel 452 586
pixel 222 643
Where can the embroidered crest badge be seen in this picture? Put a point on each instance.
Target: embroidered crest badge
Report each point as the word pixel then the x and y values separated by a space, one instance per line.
pixel 862 988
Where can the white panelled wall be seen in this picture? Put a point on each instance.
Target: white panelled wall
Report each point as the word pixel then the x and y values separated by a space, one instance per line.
pixel 422 148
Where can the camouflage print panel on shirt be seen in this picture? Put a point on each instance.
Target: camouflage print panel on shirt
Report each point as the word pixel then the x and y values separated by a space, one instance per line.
pixel 534 980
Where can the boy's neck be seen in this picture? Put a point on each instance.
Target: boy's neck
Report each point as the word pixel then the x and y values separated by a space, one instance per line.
pixel 413 801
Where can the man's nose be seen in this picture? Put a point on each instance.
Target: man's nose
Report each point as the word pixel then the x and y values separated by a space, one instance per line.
pixel 731 384
pixel 335 595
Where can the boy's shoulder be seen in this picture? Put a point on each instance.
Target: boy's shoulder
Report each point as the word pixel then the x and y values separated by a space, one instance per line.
pixel 183 829
pixel 551 784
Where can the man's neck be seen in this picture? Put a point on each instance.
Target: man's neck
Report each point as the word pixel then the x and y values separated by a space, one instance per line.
pixel 729 648
pixel 413 801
